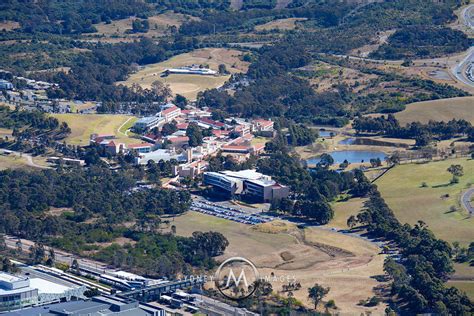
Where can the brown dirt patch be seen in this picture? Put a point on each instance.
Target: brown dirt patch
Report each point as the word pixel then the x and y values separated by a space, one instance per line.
pixel 9 25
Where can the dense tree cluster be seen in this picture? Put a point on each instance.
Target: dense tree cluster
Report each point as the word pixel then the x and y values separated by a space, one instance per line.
pixel 418 279
pixel 256 12
pixel 93 75
pixel 158 255
pixel 422 133
pixel 421 42
pixel 274 92
pixel 96 201
pixel 95 191
pixel 27 124
pixel 313 190
pixel 300 135
pixel 68 17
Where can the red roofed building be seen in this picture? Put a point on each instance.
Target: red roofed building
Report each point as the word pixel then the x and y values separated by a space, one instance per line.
pixel 182 126
pixel 178 141
pixel 220 133
pixel 170 113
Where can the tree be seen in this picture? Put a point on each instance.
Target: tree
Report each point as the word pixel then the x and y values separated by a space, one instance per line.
pixel 160 90
pixel 456 171
pixel 325 161
pixel 180 101
pixel 316 293
pixel 195 135
pixel 223 69
pixel 169 128
pixel 19 246
pixel 351 221
pixel 75 265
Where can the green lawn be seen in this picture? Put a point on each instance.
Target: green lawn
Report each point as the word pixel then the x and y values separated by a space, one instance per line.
pixel 401 189
pixel 83 125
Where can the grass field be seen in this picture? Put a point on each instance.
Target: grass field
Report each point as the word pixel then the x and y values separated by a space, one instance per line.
pixel 343 210
pixel 465 286
pixel 12 162
pixel 438 110
pixel 159 25
pixel 401 189
pixel 280 24
pixel 463 278
pixel 83 125
pixel 344 263
pixel 190 85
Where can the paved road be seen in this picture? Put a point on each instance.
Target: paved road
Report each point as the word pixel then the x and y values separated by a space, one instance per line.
pixel 468 16
pixel 466 201
pixel 61 256
pixel 28 157
pixel 464 71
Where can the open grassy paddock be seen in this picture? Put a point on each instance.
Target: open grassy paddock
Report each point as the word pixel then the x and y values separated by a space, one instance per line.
pixel 190 85
pixel 159 25
pixel 12 162
pixel 401 189
pixel 438 110
pixel 83 125
pixel 280 24
pixel 313 255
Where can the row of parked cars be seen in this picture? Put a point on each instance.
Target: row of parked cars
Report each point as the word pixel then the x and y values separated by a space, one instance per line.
pixel 229 213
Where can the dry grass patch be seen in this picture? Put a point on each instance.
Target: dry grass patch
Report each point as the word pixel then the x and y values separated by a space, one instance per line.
pixel 13 162
pixel 280 24
pixel 275 227
pixel 345 263
pixel 190 85
pixel 438 110
pixel 9 25
pixel 159 26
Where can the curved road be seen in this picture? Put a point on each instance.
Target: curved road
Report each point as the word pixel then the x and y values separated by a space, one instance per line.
pixel 467 15
pixel 464 71
pixel 466 201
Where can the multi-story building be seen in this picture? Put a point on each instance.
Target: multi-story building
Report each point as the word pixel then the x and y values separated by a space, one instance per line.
pixel 170 112
pixel 147 123
pixel 17 292
pixel 246 182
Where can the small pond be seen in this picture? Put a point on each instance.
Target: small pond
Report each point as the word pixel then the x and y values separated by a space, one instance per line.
pixel 348 141
pixel 353 156
pixel 326 133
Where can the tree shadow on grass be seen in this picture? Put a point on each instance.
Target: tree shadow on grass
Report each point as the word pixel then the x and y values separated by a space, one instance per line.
pixel 442 185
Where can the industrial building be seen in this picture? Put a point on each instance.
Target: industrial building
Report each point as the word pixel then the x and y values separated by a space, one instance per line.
pixel 246 182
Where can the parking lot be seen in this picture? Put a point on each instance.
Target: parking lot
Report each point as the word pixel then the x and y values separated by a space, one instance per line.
pixel 227 212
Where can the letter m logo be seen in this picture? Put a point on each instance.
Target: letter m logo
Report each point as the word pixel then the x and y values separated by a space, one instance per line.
pixel 236 281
